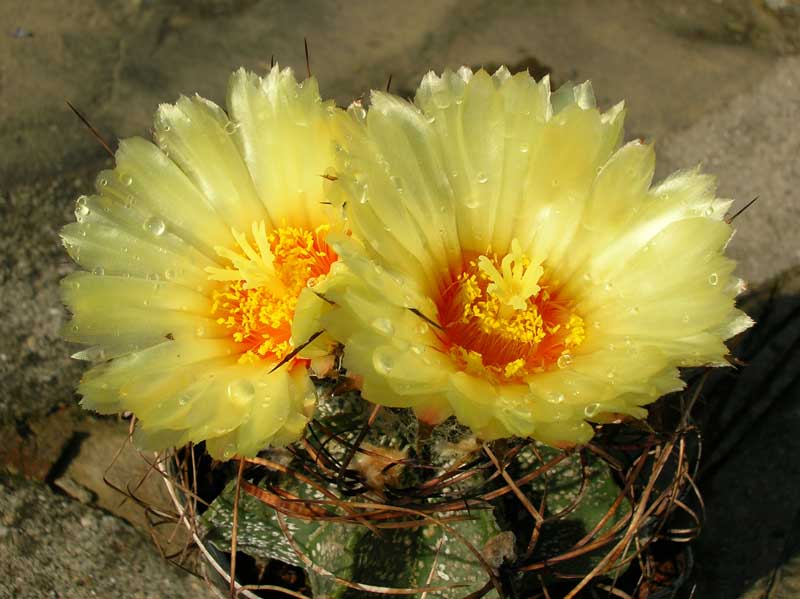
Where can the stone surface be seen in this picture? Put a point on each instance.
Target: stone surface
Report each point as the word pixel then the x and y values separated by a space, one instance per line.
pixel 751 146
pixel 51 546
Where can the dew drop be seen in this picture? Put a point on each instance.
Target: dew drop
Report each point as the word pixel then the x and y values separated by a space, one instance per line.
pixel 709 211
pixel 241 391
pixel 364 197
pixel 358 111
pixel 441 99
pixel 554 182
pixel 102 182
pixel 685 318
pixel 383 325
pixel 608 286
pixel 472 202
pixel 713 279
pixel 431 118
pixel 482 177
pixel 183 400
pixel 145 302
pixel 591 410
pixel 555 397
pixel 169 274
pixel 200 331
pixel 126 179
pixel 155 226
pixel 524 147
pixel 610 375
pixel 397 182
pixel 418 349
pixel 587 276
pixel 167 128
pixel 564 360
pixel 98 271
pixel 81 212
pixel 231 127
pixel 421 328
pixel 382 361
pixel 634 310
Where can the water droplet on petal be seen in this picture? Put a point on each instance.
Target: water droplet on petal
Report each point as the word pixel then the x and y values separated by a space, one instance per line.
pixel 241 391
pixel 81 212
pixel 155 226
pixel 713 279
pixel 591 410
pixel 524 147
pixel 126 179
pixel 564 360
pixel 102 182
pixel 482 177
pixel 183 399
pixel 441 99
pixel 397 182
pixel 200 331
pixel 472 202
pixel 383 325
pixel 231 127
pixel 382 360
pixel 555 397
pixel 98 271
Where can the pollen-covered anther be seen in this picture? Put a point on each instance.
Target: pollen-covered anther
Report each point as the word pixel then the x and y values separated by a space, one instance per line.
pixel 264 281
pixel 502 320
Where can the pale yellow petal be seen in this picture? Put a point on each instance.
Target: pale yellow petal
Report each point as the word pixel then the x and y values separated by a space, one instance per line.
pixel 283 129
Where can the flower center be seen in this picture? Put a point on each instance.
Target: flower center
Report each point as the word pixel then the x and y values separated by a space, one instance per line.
pixel 501 319
pixel 263 285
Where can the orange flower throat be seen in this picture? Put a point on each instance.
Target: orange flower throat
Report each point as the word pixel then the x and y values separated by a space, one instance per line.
pixel 501 320
pixel 264 283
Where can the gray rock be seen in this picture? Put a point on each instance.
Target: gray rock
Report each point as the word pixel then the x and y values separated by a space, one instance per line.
pixel 51 546
pixel 752 145
pixel 35 366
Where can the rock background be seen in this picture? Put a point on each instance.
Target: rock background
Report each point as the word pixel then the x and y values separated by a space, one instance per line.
pixel 710 81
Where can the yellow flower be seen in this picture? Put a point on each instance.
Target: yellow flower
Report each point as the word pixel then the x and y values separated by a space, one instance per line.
pixel 516 267
pixel 196 251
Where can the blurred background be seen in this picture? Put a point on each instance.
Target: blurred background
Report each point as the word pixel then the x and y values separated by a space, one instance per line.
pixel 711 82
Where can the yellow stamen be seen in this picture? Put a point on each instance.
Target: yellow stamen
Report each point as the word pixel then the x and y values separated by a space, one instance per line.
pixel 500 320
pixel 265 281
